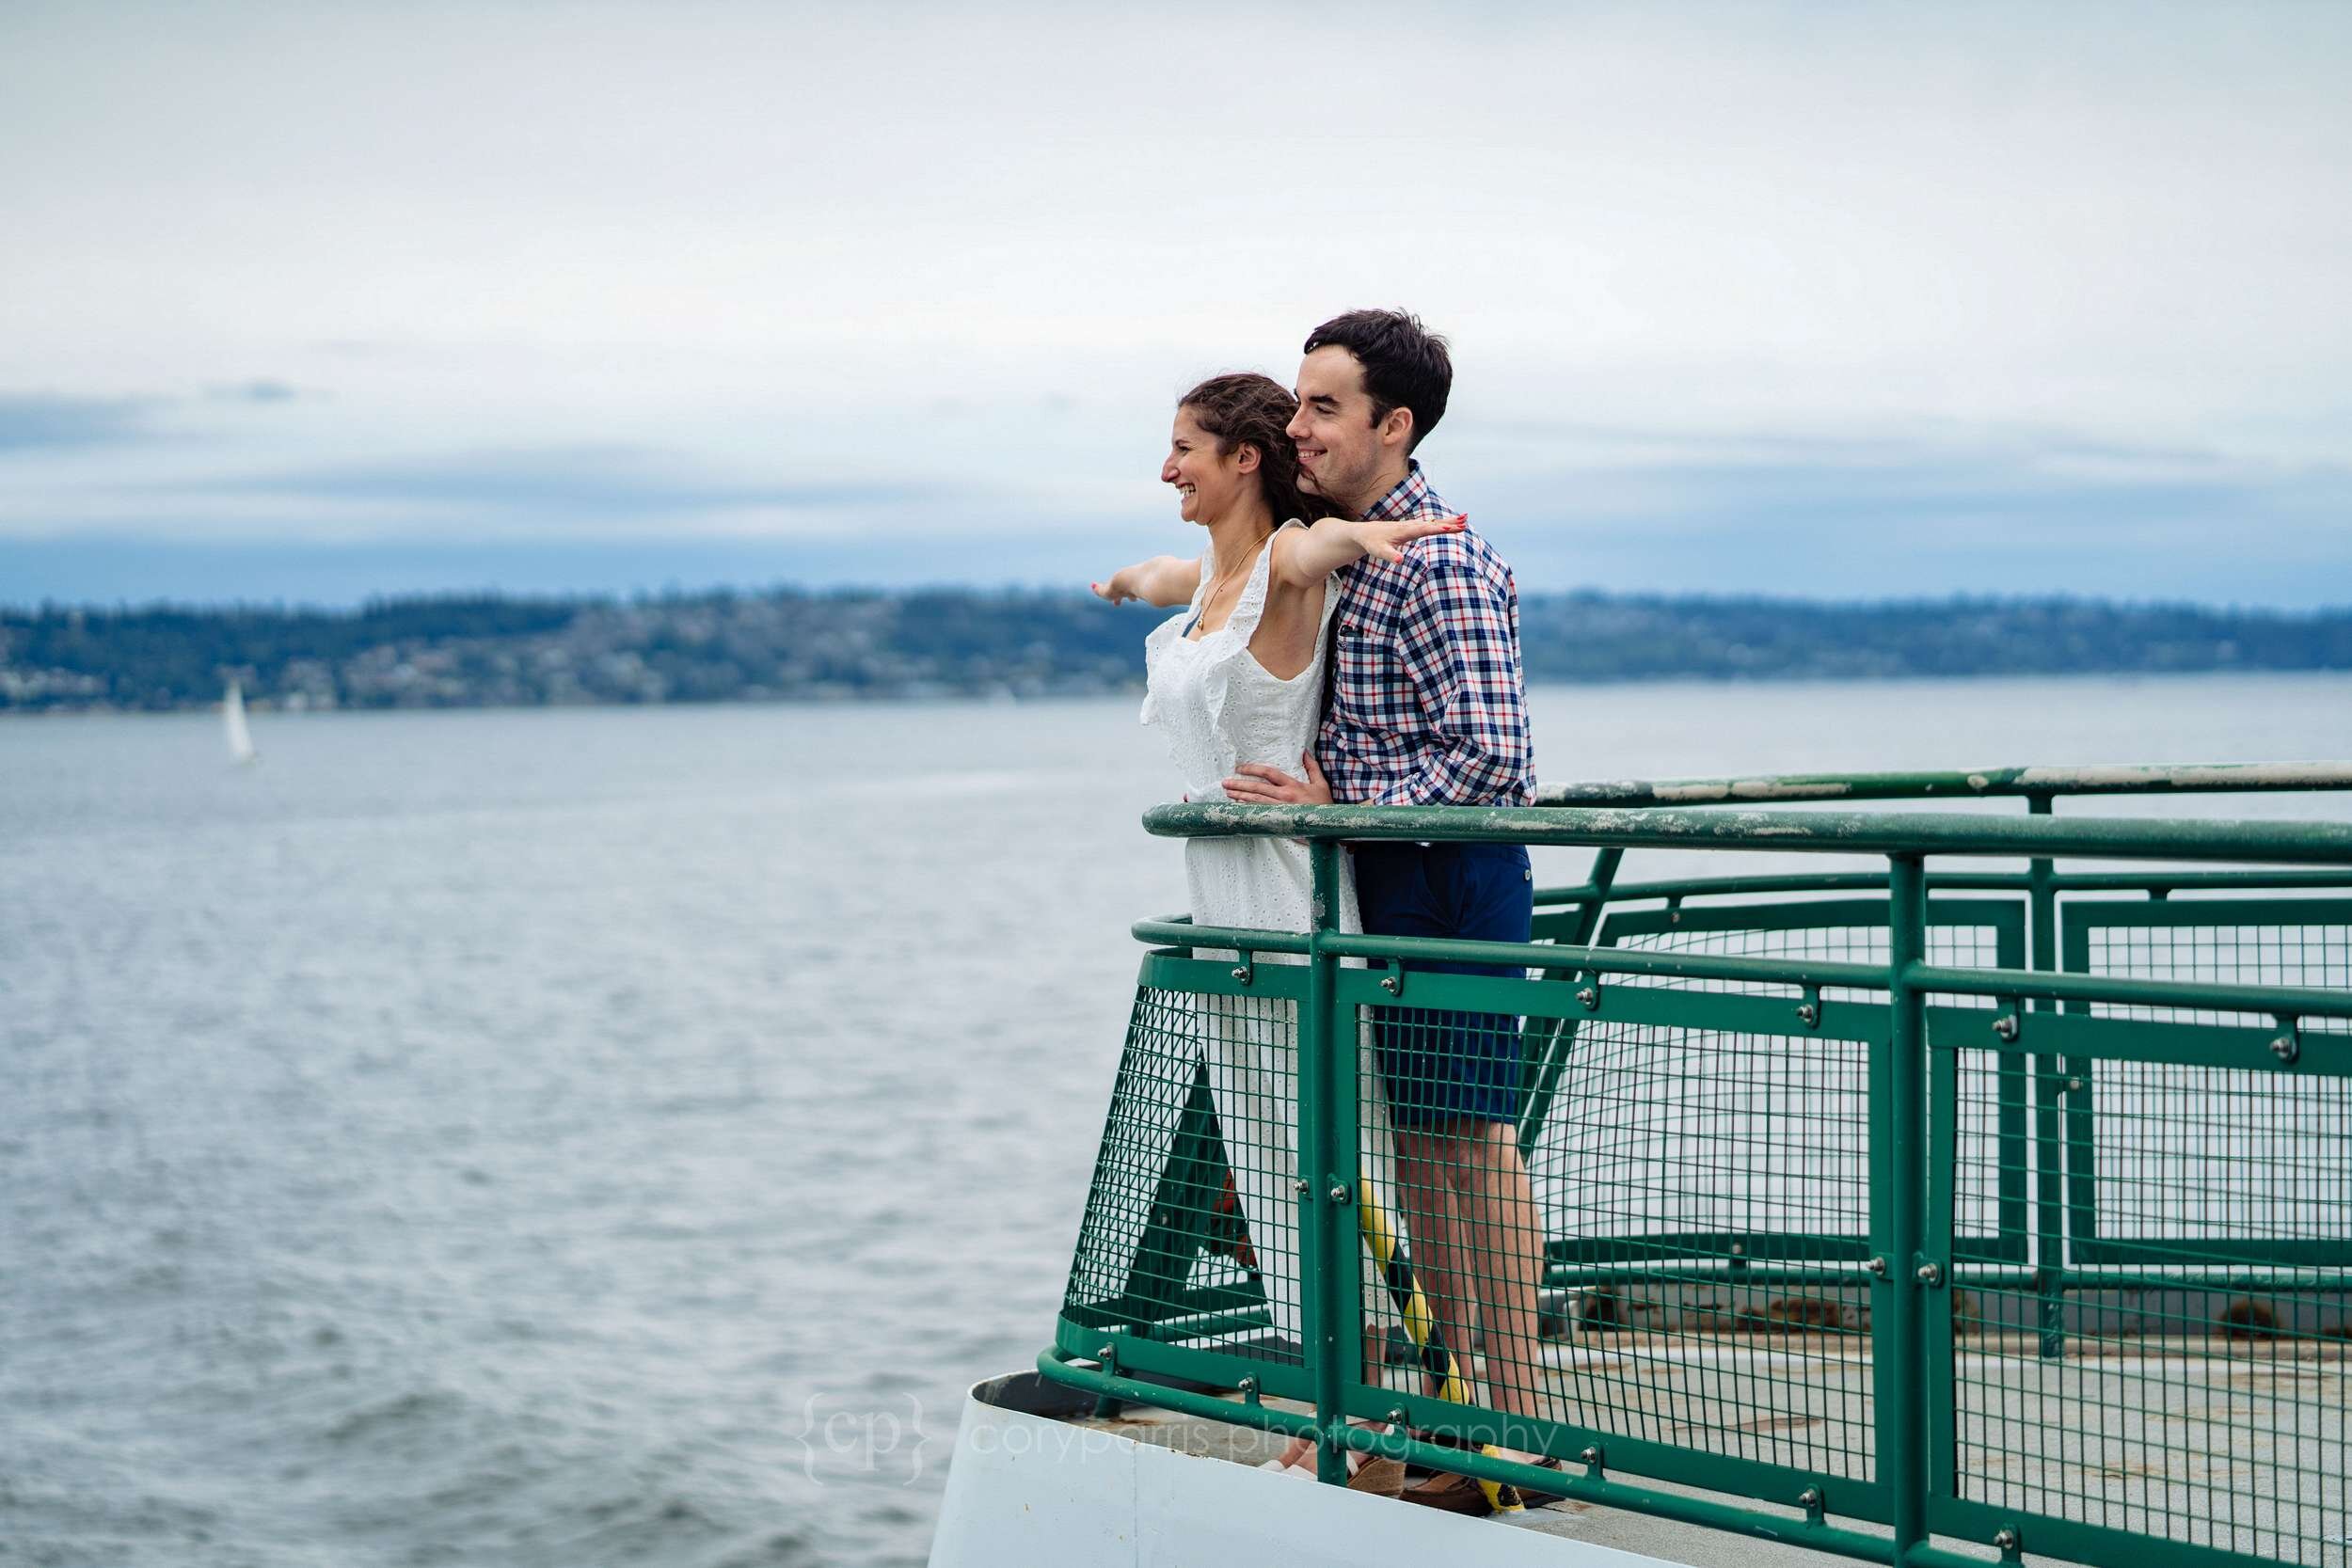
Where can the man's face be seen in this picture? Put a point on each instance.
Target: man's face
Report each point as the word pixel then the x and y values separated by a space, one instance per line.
pixel 1341 454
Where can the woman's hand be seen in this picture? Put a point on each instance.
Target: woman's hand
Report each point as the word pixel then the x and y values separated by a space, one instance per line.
pixel 1258 784
pixel 1164 580
pixel 1385 541
pixel 1303 557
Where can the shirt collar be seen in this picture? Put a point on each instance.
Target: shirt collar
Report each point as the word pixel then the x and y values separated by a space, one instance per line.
pixel 1403 498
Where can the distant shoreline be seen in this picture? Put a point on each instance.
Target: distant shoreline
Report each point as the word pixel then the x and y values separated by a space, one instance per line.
pixel 819 648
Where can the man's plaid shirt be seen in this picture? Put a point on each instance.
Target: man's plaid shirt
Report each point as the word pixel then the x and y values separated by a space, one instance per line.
pixel 1428 704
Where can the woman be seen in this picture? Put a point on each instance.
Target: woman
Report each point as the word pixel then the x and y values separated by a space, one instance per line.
pixel 1237 678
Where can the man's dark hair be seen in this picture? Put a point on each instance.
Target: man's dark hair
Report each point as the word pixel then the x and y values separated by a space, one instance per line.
pixel 1405 365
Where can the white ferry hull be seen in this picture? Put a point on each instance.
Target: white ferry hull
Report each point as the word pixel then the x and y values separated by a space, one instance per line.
pixel 1026 1487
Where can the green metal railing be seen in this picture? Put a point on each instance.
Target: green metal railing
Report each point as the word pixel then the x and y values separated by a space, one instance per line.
pixel 2005 1207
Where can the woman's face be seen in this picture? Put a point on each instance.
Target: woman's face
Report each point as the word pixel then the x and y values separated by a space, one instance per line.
pixel 1208 484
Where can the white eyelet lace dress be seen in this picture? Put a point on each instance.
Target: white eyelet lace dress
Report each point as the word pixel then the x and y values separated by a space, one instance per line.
pixel 1217 707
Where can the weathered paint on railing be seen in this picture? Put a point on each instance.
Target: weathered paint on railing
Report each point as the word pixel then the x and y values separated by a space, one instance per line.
pixel 1776 833
pixel 1981 783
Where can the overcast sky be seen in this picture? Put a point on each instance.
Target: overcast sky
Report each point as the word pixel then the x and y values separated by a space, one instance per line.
pixel 321 300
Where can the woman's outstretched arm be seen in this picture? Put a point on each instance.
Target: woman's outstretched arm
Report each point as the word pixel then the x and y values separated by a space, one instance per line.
pixel 1305 556
pixel 1165 580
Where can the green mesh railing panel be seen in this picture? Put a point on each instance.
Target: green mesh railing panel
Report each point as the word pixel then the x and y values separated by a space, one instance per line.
pixel 1179 1228
pixel 1971 932
pixel 1703 1194
pixel 1687 1175
pixel 2202 1394
pixel 1191 1227
pixel 2143 1190
pixel 1846 930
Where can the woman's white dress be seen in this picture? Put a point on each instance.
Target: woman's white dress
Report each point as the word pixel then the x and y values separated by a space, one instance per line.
pixel 1216 706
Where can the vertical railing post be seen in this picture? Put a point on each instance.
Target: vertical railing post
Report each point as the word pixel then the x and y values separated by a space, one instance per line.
pixel 1327 1176
pixel 2049 1076
pixel 1904 1383
pixel 1557 1036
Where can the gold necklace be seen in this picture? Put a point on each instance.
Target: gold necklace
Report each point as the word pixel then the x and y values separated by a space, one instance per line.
pixel 1218 584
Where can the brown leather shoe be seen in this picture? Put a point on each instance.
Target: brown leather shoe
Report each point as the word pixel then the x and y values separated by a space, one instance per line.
pixel 1544 1499
pixel 1380 1476
pixel 1455 1495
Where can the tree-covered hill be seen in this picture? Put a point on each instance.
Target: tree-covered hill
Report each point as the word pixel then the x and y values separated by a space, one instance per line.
pixel 794 644
pixel 1593 637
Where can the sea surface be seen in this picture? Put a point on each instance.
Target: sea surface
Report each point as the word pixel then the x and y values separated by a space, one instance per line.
pixel 617 1136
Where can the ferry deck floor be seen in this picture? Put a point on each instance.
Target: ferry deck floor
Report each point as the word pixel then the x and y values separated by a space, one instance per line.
pixel 2237 1446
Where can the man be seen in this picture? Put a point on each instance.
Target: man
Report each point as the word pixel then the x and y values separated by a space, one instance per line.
pixel 1428 707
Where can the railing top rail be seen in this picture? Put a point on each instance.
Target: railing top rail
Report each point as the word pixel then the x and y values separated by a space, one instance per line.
pixel 1779 832
pixel 2094 779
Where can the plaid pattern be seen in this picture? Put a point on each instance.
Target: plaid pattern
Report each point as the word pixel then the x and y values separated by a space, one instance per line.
pixel 1429 704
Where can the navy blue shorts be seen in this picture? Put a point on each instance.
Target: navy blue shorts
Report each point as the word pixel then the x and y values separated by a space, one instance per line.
pixel 1443 1067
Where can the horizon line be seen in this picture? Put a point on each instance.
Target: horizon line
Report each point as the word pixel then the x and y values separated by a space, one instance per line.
pixel 678 594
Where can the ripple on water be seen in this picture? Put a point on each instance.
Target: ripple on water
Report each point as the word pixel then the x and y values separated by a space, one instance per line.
pixel 397 1421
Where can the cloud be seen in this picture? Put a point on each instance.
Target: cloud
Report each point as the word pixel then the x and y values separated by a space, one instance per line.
pixel 1599 472
pixel 559 483
pixel 1904 444
pixel 2029 512
pixel 265 391
pixel 38 424
pixel 45 423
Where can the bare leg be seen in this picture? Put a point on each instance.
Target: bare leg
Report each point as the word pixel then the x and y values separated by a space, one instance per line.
pixel 1506 1246
pixel 1428 1171
pixel 1476 1236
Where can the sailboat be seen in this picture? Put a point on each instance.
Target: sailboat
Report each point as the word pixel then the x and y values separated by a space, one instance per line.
pixel 232 720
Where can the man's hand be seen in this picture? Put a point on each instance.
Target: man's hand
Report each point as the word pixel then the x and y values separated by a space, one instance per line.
pixel 1261 785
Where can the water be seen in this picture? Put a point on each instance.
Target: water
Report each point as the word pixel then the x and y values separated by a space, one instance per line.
pixel 616 1136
